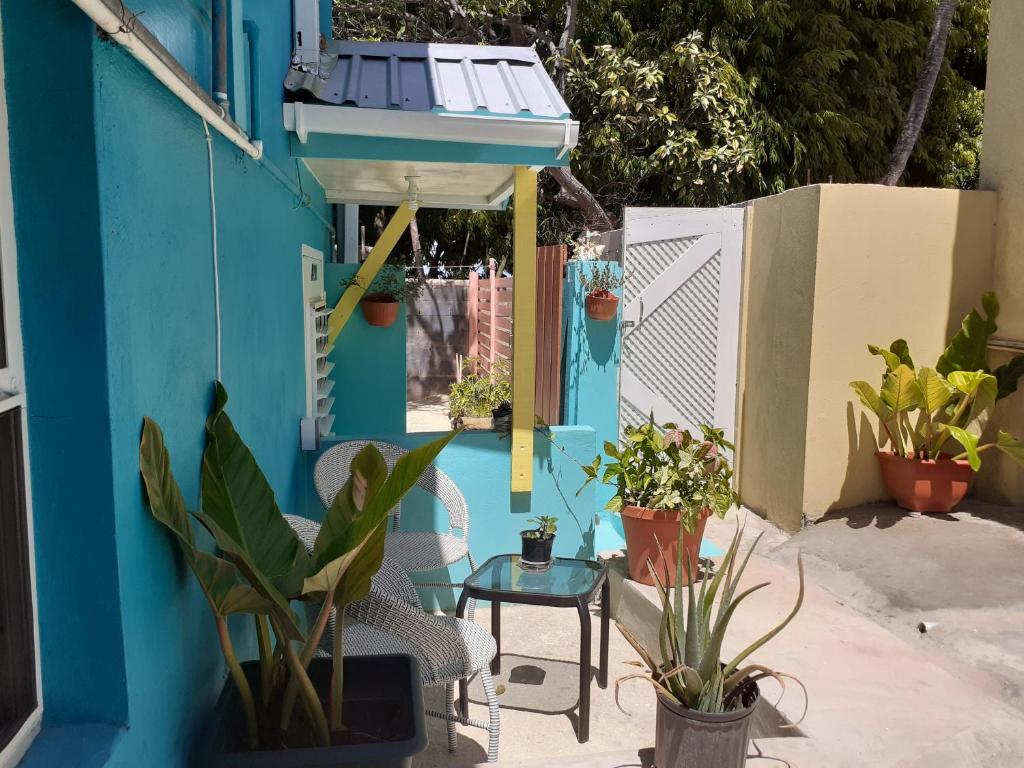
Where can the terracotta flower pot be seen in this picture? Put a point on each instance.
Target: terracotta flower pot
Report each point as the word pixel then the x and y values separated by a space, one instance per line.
pixel 925 485
pixel 379 309
pixel 686 738
pixel 602 305
pixel 645 528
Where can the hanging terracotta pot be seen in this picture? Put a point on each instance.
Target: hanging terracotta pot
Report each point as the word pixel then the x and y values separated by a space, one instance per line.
pixel 653 534
pixel 925 485
pixel 602 305
pixel 379 309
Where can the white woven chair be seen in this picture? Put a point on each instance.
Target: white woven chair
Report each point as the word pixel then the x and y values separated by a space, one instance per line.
pixel 391 620
pixel 414 551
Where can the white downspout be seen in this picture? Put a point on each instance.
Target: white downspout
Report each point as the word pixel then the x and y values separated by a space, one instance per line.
pixel 121 24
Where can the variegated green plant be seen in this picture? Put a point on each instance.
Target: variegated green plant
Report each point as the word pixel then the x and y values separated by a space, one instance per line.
pixel 262 565
pixel 687 667
pixel 925 414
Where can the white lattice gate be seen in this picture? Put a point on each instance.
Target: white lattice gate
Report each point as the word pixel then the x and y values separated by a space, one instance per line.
pixel 681 316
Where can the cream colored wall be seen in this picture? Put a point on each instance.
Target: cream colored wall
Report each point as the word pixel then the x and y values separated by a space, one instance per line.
pixel 830 269
pixel 1002 169
pixel 775 352
pixel 893 262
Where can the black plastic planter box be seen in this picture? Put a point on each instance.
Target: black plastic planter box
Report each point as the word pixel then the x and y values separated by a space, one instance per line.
pixel 383 704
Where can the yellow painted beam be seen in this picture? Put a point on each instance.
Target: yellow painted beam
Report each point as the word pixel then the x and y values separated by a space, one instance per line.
pixel 524 330
pixel 378 255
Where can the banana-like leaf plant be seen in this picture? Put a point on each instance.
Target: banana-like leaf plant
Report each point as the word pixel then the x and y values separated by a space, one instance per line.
pixel 968 349
pixel 919 411
pixel 262 565
pixel 688 668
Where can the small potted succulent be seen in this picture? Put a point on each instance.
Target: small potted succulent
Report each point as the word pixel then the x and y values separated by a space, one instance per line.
pixel 287 708
pixel 705 701
pixel 665 479
pixel 537 542
pixel 933 419
pixel 477 399
pixel 599 283
pixel 389 288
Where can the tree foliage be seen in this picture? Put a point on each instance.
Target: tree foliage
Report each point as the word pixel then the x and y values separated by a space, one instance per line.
pixel 709 102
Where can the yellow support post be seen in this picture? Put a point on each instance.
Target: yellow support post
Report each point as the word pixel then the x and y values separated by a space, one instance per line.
pixel 378 255
pixel 524 322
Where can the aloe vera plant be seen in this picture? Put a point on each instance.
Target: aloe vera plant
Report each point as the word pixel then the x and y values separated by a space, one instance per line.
pixel 688 667
pixel 262 565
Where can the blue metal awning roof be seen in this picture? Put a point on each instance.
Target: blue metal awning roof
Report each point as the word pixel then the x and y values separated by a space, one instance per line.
pixel 494 80
pixel 458 118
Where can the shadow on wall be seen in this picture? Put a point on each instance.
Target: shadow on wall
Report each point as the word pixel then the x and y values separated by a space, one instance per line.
pixel 437 325
pixel 861 448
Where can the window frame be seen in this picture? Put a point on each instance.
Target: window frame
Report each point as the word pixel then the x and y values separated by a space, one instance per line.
pixel 13 398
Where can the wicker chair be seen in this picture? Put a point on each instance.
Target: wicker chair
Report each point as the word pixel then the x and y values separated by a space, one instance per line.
pixel 414 551
pixel 391 620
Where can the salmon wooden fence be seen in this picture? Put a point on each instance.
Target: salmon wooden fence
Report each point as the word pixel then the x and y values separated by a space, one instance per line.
pixel 489 305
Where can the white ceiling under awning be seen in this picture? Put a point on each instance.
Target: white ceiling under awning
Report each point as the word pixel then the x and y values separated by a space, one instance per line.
pixel 440 185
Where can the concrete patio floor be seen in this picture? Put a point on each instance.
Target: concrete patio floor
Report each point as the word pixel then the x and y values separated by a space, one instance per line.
pixel 881 694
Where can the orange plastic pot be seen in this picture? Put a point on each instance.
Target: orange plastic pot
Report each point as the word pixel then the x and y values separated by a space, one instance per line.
pixel 602 305
pixel 925 485
pixel 379 309
pixel 644 529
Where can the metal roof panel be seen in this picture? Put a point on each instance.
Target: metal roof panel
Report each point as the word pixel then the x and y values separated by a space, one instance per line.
pixel 497 80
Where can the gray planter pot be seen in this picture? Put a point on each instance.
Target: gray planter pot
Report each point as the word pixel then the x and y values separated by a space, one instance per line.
pixel 685 738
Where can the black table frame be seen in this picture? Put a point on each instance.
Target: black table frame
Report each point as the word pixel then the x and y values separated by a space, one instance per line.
pixel 580 601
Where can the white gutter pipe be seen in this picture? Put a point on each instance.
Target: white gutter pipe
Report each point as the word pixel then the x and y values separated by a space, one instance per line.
pixel 126 29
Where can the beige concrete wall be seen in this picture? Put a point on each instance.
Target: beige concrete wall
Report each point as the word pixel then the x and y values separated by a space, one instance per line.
pixel 829 270
pixel 782 237
pixel 892 263
pixel 1002 169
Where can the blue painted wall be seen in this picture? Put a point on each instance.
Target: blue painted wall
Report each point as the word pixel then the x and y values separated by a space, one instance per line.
pixel 480 464
pixel 591 385
pixel 114 229
pixel 369 370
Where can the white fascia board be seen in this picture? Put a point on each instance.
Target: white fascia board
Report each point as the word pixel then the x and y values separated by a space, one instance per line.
pixel 466 202
pixel 553 133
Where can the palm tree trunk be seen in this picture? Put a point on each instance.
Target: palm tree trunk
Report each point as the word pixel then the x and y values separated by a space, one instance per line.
pixel 933 59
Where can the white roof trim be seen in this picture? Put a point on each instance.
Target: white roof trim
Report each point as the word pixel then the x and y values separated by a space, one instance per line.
pixel 553 133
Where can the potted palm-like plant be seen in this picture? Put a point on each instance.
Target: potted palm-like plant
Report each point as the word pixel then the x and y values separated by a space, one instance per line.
pixel 705 700
pixel 934 419
pixel 665 478
pixel 599 282
pixel 538 541
pixel 388 289
pixel 286 708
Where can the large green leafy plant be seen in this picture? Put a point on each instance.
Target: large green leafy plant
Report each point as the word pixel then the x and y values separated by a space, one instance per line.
pixel 926 413
pixel 687 667
pixel 261 565
pixel 664 467
pixel 479 393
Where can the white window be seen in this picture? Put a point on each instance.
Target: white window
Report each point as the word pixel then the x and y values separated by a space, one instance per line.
pixel 21 690
pixel 319 384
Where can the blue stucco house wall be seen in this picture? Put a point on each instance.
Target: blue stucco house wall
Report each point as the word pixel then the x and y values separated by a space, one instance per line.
pixel 113 221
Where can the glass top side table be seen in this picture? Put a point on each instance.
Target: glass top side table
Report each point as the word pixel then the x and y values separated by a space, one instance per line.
pixel 567 583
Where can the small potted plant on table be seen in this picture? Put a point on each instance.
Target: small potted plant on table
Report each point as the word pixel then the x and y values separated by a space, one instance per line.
pixel 665 479
pixel 599 283
pixel 388 289
pixel 934 418
pixel 537 542
pixel 286 708
pixel 705 703
pixel 476 399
